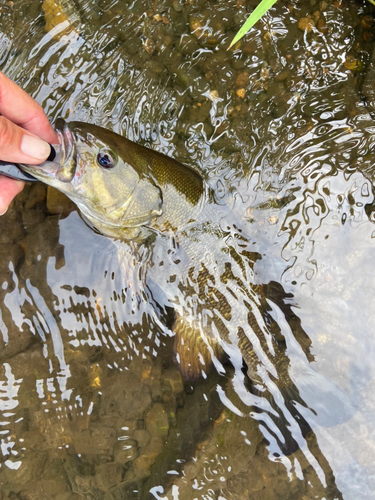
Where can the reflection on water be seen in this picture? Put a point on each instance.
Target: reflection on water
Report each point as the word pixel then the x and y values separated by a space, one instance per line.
pixel 92 401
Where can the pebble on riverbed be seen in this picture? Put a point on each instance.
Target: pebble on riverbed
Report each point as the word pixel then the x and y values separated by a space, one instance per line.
pixel 306 24
pixel 353 64
pixel 57 12
pixel 242 79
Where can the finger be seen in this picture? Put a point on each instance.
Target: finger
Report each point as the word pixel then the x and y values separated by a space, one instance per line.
pixel 19 146
pixel 20 108
pixel 9 188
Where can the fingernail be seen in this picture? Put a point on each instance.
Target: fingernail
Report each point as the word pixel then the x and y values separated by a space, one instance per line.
pixel 3 208
pixel 34 147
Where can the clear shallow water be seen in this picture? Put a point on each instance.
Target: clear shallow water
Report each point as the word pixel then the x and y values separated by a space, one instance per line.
pixel 93 405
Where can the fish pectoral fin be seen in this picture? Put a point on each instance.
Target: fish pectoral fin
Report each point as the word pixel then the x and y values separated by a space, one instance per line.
pixel 193 350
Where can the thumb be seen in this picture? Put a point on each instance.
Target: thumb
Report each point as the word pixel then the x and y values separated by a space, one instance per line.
pixel 9 188
pixel 20 146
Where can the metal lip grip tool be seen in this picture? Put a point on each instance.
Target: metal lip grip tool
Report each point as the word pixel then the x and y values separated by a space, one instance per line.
pixel 14 172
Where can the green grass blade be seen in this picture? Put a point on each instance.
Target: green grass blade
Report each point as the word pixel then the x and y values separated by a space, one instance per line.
pixel 372 1
pixel 252 19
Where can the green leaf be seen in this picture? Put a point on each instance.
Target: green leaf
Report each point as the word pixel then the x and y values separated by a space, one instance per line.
pixel 253 18
pixel 372 1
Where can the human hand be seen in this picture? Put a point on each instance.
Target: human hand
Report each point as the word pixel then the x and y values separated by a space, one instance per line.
pixel 24 135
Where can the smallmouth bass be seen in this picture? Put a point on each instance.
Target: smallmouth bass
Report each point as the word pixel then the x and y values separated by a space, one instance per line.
pixel 129 192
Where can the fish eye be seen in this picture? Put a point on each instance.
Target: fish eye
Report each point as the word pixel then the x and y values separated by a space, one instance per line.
pixel 105 159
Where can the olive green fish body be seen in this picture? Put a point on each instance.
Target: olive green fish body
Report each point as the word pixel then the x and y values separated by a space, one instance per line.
pixel 125 190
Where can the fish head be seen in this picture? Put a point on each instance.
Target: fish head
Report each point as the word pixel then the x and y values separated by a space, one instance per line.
pixel 111 184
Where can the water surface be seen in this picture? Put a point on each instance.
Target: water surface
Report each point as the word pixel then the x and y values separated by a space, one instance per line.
pixel 92 401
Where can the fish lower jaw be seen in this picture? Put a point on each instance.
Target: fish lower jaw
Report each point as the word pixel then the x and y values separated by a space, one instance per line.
pixel 45 176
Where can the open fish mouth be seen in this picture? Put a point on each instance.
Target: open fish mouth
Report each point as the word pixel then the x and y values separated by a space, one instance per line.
pixel 46 169
pixel 63 166
pixel 66 140
pixel 67 160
